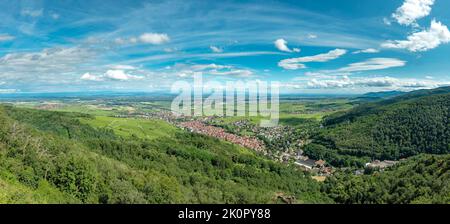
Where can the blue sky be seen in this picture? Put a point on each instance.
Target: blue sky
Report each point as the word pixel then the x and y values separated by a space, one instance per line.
pixel 309 46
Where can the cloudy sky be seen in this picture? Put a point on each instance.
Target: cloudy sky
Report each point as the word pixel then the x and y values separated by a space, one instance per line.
pixel 310 46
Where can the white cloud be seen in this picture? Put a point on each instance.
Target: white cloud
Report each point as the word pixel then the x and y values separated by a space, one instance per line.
pixel 145 38
pixel 48 60
pixel 4 91
pixel 374 82
pixel 184 70
pixel 216 49
pixel 32 12
pixel 55 16
pixel 120 75
pixel 89 77
pixel 52 66
pixel 336 83
pixel 120 41
pixel 112 75
pixel 173 57
pixel 6 37
pixel 411 10
pixel 170 49
pixel 123 67
pixel 424 40
pixel 367 51
pixel 312 36
pixel 367 65
pixel 201 67
pixel 154 38
pixel 281 45
pixel 182 75
pixel 380 82
pixel 232 72
pixel 297 63
pixel 133 40
pixel 373 64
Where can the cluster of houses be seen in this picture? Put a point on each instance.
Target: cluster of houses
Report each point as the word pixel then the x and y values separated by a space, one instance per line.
pixel 283 138
pixel 377 164
pixel 208 126
pixel 315 166
pixel 201 128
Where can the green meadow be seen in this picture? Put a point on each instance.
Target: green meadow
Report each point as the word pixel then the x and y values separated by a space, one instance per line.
pixel 128 127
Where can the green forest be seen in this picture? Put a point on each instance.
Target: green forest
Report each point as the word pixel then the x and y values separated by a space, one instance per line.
pixel 64 157
pixel 51 157
pixel 420 180
pixel 391 129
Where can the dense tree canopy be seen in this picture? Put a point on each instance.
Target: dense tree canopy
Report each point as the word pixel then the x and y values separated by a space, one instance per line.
pixel 53 152
pixel 422 179
pixel 387 130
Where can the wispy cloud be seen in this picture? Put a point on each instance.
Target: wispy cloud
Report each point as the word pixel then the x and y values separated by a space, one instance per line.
pixel 374 82
pixel 123 67
pixel 175 57
pixel 216 49
pixel 312 36
pixel 52 45
pixel 52 60
pixel 292 22
pixel 187 71
pixel 54 16
pixel 6 37
pixel 298 63
pixel 32 12
pixel 5 91
pixel 367 51
pixel 373 64
pixel 145 38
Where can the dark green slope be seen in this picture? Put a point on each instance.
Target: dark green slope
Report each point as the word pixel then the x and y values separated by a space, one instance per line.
pixel 391 129
pixel 50 157
pixel 421 179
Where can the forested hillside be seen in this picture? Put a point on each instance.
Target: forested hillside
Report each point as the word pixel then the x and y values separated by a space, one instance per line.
pixel 391 129
pixel 52 157
pixel 421 179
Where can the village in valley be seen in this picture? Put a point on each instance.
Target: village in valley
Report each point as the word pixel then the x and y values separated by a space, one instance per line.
pixel 280 143
pixel 283 143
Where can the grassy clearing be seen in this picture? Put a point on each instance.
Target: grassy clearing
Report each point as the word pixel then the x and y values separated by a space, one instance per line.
pixel 127 127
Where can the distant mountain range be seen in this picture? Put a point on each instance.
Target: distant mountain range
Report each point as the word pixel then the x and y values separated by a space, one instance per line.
pixel 385 94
